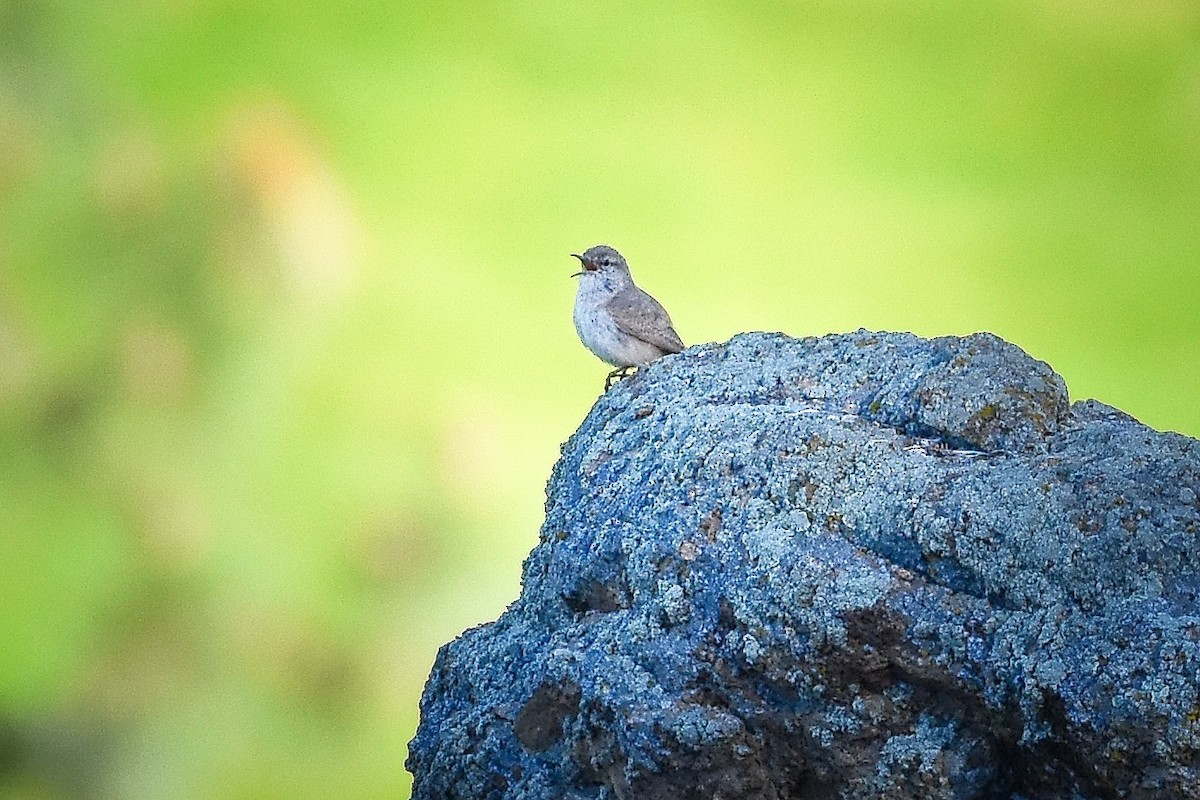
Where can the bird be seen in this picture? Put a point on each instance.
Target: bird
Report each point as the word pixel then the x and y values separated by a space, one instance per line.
pixel 621 324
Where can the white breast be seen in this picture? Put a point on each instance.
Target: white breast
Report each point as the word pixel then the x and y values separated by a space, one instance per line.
pixel 600 334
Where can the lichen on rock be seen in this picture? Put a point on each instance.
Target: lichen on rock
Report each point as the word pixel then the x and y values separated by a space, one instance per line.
pixel 867 565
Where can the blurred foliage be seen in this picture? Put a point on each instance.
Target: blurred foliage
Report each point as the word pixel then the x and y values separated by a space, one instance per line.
pixel 285 339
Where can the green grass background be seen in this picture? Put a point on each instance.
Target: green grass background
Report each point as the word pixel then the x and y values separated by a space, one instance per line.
pixel 285 341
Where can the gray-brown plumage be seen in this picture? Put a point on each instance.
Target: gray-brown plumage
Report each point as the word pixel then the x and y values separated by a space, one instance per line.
pixel 615 319
pixel 640 315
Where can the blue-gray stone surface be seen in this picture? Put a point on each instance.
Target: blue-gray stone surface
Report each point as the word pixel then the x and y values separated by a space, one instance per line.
pixel 867 565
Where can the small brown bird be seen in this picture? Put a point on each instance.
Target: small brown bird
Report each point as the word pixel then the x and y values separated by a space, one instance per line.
pixel 615 319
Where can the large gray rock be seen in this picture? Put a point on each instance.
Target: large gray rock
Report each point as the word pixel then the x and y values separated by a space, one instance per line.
pixel 857 566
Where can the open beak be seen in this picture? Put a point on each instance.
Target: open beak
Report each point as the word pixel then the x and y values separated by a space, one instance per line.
pixel 587 265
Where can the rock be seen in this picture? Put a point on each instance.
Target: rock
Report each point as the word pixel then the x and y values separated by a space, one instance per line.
pixel 857 566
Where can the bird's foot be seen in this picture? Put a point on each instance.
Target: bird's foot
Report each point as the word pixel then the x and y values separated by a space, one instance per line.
pixel 616 375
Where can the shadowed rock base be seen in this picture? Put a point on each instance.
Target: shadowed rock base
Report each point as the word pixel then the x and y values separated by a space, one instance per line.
pixel 857 566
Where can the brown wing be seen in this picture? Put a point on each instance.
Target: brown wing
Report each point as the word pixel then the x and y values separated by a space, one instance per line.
pixel 640 315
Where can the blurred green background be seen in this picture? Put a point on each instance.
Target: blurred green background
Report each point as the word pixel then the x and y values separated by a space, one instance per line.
pixel 286 350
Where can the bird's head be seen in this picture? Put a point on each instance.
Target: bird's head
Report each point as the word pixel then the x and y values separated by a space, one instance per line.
pixel 603 261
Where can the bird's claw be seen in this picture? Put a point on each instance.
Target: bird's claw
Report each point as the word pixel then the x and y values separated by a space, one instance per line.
pixel 616 375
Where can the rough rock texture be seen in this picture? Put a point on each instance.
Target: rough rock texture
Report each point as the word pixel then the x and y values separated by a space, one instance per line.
pixel 858 566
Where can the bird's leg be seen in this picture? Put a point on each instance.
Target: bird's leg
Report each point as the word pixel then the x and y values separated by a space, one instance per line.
pixel 616 375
